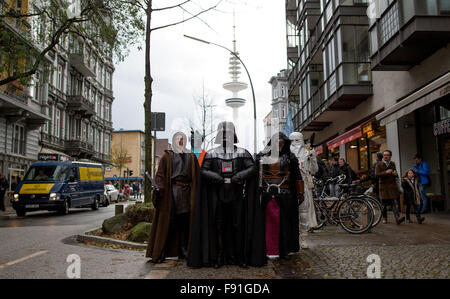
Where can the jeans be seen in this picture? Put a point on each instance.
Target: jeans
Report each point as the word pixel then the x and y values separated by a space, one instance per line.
pixel 425 199
pixel 416 207
pixel 394 204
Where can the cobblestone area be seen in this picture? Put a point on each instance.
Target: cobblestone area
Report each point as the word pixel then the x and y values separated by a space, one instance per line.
pixel 407 262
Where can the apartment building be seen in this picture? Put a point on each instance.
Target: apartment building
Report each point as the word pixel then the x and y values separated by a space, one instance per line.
pixel 66 110
pixel 363 85
pixel 128 143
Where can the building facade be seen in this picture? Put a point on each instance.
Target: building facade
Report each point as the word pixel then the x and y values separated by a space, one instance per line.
pixel 276 119
pixel 66 109
pixel 128 143
pixel 365 85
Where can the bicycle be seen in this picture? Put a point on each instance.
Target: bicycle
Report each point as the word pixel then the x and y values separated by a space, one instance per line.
pixel 354 214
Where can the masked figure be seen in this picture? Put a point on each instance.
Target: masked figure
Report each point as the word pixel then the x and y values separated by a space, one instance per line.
pixel 174 200
pixel 227 214
pixel 278 173
pixel 308 167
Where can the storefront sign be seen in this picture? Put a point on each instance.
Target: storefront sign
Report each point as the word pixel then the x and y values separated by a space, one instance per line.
pixel 442 127
pixel 48 157
pixel 368 129
pixel 319 150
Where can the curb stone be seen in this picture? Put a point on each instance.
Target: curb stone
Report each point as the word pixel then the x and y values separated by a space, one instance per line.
pixel 84 237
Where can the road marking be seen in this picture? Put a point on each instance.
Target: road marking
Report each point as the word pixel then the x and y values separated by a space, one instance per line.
pixel 157 274
pixel 23 259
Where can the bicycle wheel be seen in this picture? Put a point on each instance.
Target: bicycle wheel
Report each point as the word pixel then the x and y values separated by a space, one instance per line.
pixel 320 216
pixel 377 208
pixel 355 215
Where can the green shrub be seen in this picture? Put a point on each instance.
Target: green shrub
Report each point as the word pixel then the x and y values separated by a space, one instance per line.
pixel 139 212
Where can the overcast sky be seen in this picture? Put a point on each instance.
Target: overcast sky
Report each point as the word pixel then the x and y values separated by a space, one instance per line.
pixel 180 67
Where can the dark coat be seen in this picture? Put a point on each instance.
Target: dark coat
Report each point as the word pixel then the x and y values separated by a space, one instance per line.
pixel 246 207
pixel 288 203
pixel 387 185
pixel 350 175
pixel 159 233
pixel 411 193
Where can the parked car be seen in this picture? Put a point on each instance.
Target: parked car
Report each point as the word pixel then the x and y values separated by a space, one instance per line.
pixel 111 193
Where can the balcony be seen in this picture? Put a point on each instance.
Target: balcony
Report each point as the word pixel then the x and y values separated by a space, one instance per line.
pixel 408 32
pixel 81 62
pixel 80 105
pixel 100 157
pixel 80 149
pixel 52 141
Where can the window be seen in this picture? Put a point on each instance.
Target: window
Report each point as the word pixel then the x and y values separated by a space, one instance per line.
pixel 100 73
pixel 275 113
pixel 18 140
pixel 59 79
pixel 106 147
pixel 275 93
pixel 99 105
pixel 283 111
pixel 57 122
pixel 283 91
pixel 107 111
pixel 389 24
pixel 108 80
pixel 37 86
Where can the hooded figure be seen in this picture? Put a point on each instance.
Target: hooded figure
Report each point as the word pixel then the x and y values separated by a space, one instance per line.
pixel 307 160
pixel 174 199
pixel 278 173
pixel 227 220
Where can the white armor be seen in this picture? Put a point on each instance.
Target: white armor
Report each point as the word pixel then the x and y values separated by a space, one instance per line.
pixel 307 159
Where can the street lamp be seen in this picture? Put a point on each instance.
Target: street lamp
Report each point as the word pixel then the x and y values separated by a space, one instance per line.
pixel 249 78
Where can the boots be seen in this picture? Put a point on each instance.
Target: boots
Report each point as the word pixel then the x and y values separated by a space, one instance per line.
pixel 420 220
pixel 399 220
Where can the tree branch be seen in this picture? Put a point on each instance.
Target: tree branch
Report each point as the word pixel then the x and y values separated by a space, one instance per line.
pixel 194 16
pixel 170 7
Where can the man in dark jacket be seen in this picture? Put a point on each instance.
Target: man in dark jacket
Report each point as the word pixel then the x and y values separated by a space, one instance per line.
pixel 3 187
pixel 373 177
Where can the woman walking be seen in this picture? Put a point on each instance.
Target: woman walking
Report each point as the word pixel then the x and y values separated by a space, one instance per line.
pixel 411 193
pixel 389 193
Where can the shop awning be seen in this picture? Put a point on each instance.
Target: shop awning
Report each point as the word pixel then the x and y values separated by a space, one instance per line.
pixel 319 150
pixel 344 138
pixel 424 96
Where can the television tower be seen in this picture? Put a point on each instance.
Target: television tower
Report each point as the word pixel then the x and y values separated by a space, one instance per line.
pixel 235 86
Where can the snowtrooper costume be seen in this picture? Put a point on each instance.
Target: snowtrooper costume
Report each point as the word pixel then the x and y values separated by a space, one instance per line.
pixel 308 167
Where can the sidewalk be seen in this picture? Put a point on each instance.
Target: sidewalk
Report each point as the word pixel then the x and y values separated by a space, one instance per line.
pixel 10 212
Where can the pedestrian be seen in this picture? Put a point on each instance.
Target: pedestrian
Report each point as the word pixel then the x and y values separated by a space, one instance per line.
pixel 227 227
pixel 333 172
pixel 174 200
pixel 388 187
pixel 344 168
pixel 3 187
pixel 373 177
pixel 278 172
pixel 423 171
pixel 411 195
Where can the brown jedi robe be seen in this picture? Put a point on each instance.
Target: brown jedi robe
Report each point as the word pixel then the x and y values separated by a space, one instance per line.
pixel 159 232
pixel 387 185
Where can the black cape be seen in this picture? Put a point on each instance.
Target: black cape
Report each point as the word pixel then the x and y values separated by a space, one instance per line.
pixel 201 248
pixel 289 204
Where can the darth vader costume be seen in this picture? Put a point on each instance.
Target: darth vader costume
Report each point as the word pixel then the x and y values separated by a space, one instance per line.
pixel 278 173
pixel 227 227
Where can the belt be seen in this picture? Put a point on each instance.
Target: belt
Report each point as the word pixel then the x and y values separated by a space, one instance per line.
pixel 281 187
pixel 182 184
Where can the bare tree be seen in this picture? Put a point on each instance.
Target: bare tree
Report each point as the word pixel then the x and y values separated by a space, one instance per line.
pixel 147 6
pixel 120 157
pixel 206 105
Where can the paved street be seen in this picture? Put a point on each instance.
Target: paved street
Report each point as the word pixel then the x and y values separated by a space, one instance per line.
pixel 37 247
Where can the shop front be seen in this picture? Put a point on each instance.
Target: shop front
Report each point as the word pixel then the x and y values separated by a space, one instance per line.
pixel 422 121
pixel 361 144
